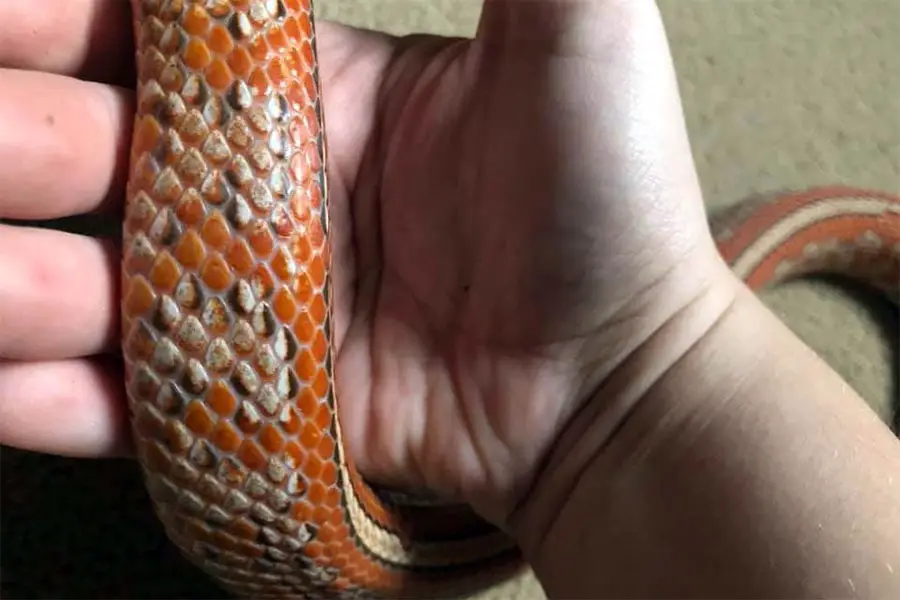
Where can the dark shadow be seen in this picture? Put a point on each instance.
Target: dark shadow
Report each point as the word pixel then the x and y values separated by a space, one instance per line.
pixel 85 529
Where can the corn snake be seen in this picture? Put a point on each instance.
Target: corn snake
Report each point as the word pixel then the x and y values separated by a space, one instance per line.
pixel 226 315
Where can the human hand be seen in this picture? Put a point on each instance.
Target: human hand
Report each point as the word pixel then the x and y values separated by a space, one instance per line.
pixel 513 217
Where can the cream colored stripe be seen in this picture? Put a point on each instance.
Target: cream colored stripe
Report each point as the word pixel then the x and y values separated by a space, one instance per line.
pixel 783 230
pixel 388 547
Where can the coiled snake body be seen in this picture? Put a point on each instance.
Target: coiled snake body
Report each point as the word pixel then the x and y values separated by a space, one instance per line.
pixel 226 311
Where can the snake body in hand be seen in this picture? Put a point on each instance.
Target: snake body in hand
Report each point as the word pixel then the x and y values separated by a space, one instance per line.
pixel 227 316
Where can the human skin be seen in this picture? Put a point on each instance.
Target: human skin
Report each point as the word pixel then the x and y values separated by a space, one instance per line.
pixel 521 255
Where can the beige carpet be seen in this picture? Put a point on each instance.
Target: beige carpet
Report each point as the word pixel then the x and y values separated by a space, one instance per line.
pixel 778 93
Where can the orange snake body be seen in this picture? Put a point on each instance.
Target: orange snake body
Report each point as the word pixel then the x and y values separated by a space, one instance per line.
pixel 227 318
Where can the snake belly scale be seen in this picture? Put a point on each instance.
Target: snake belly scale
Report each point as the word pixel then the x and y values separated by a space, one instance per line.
pixel 227 323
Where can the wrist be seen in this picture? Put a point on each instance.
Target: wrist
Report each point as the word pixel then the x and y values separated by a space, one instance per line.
pixel 705 482
pixel 670 336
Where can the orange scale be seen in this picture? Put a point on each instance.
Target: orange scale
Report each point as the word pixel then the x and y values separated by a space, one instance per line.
pixel 309 84
pixel 320 386
pixel 300 250
pixel 278 39
pixel 301 511
pixel 240 62
pixel 259 48
pixel 316 271
pixel 147 135
pixel 291 29
pixel 303 290
pixel 324 417
pixel 216 274
pixel 198 419
pixel 219 75
pixel 190 209
pixel 243 529
pixel 221 400
pixel 307 403
pixel 306 26
pixel 140 297
pixel 314 550
pixel 317 309
pixel 190 250
pixel 313 469
pixel 283 305
pixel 220 40
pixel 306 366
pixel 336 518
pixel 278 72
pixel 196 20
pixel 165 273
pixel 322 514
pixel 320 347
pixel 316 493
pixel 250 549
pixel 333 498
pixel 240 258
pixel 310 437
pixel 283 265
pixel 342 530
pixel 215 232
pixel 271 439
pixel 316 233
pixel 329 472
pixel 250 454
pixel 196 54
pixel 304 328
pixel 261 240
pixel 225 437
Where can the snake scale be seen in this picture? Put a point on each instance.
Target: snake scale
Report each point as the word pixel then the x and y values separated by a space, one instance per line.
pixel 227 318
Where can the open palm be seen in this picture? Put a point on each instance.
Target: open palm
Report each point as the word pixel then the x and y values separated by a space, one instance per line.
pixel 509 220
pixel 506 241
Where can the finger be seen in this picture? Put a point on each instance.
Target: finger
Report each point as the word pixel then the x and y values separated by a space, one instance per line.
pixel 89 39
pixel 58 294
pixel 70 408
pixel 64 147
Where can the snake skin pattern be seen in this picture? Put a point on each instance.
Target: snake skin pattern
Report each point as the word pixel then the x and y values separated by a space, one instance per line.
pixel 227 324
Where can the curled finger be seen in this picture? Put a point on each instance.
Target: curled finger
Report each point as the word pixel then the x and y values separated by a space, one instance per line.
pixel 58 294
pixel 69 408
pixel 64 145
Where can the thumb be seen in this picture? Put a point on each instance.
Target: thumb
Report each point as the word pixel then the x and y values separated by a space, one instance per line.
pixel 584 27
pixel 603 71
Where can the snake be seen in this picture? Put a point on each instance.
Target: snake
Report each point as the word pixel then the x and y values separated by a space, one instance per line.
pixel 227 319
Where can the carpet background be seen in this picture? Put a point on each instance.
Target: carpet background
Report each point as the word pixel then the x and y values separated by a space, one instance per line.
pixel 778 94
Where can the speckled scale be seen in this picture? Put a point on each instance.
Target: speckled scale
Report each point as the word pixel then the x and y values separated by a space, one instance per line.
pixel 226 318
pixel 226 330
